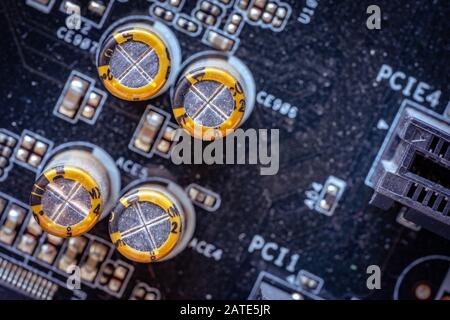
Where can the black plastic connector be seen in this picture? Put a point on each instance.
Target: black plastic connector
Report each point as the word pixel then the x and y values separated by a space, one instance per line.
pixel 413 168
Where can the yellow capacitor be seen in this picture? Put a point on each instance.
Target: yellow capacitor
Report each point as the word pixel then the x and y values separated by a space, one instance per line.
pixel 146 225
pixel 70 195
pixel 134 62
pixel 213 96
pixel 66 201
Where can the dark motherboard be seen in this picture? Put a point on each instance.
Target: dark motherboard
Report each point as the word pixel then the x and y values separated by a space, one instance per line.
pixel 364 157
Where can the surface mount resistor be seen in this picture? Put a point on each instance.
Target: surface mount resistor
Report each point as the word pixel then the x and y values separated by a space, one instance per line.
pixel 330 195
pixel 149 130
pixel 72 98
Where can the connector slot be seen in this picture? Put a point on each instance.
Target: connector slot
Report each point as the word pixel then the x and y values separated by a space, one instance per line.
pixel 430 170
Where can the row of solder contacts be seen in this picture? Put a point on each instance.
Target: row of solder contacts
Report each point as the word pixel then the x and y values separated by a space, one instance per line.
pixel 152 220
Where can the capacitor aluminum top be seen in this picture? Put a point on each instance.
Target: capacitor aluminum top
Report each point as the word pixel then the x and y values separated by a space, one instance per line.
pixel 138 60
pixel 70 195
pixel 150 224
pixel 214 95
